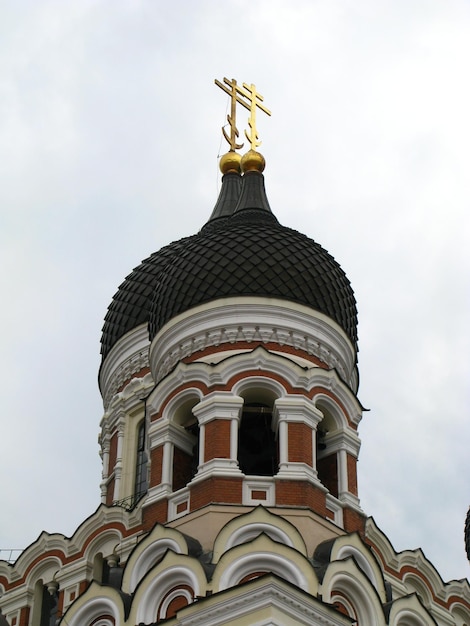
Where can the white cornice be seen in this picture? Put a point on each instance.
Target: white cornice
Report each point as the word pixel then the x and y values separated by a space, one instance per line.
pixel 127 357
pixel 259 359
pixel 248 319
pixel 266 596
pixel 414 559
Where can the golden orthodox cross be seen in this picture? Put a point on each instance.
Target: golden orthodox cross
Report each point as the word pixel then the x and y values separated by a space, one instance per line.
pixel 248 97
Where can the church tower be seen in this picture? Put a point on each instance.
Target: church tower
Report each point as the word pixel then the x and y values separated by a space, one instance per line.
pixel 229 443
pixel 235 351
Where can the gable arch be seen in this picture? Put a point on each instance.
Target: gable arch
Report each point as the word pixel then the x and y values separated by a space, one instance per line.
pixel 408 611
pixel 179 408
pixel 352 546
pixel 44 571
pixel 259 389
pixel 346 583
pixel 415 584
pixel 334 418
pixel 351 551
pixel 105 543
pixel 150 551
pixel 260 556
pixel 460 614
pixel 175 575
pixel 245 528
pixel 98 605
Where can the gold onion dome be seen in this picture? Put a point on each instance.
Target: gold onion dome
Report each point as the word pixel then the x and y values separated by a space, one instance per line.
pixel 253 161
pixel 230 162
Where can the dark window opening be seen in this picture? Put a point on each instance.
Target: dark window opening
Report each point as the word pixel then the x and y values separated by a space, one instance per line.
pixel 327 464
pixel 49 607
pixel 140 485
pixel 257 449
pixel 185 465
pixel 194 430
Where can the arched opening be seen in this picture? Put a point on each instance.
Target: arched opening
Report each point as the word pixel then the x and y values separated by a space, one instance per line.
pixel 46 604
pixel 416 585
pixel 257 446
pixel 327 459
pixel 140 480
pixel 100 569
pixel 186 447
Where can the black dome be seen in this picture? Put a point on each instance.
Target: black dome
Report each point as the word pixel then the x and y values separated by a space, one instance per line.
pixel 251 254
pixel 130 305
pixel 241 251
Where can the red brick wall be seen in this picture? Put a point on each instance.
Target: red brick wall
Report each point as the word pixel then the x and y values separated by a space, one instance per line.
pixel 156 512
pixel 110 492
pixel 300 493
pixel 82 586
pixel 300 443
pixel 220 490
pixel 352 474
pixel 354 521
pixel 156 461
pixel 24 616
pixel 217 440
pixel 112 453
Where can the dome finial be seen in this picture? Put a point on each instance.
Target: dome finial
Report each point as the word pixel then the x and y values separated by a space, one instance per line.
pixel 253 161
pixel 230 162
pixel 248 97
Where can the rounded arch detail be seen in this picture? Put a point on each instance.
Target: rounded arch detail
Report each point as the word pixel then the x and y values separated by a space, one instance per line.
pixel 149 553
pixel 409 611
pixel 44 570
pixel 334 417
pixel 175 572
pixel 245 565
pixel 105 543
pixel 365 562
pixel 344 579
pixel 179 408
pixel 172 578
pixel 258 522
pixel 259 388
pixel 264 555
pixel 150 557
pixel 99 610
pixel 415 584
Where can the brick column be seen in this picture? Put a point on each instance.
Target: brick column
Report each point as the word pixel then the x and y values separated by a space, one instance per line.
pixel 218 416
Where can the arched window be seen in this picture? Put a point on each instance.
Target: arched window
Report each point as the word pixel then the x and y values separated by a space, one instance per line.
pixel 185 463
pixel 46 606
pixel 140 483
pixel 186 442
pixel 257 447
pixel 327 459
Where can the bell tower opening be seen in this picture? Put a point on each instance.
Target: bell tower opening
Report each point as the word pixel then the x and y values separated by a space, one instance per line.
pixel 185 457
pixel 257 447
pixel 327 461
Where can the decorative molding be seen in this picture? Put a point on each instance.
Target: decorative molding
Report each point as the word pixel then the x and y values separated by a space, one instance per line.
pixel 333 505
pixel 127 357
pixel 179 504
pixel 224 468
pixel 258 367
pixel 267 592
pixel 249 320
pixel 253 485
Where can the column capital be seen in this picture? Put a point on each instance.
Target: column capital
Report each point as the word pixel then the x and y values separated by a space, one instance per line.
pixel 297 409
pixel 218 406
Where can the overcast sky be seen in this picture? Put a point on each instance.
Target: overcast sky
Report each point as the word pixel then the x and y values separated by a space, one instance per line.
pixel 109 137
